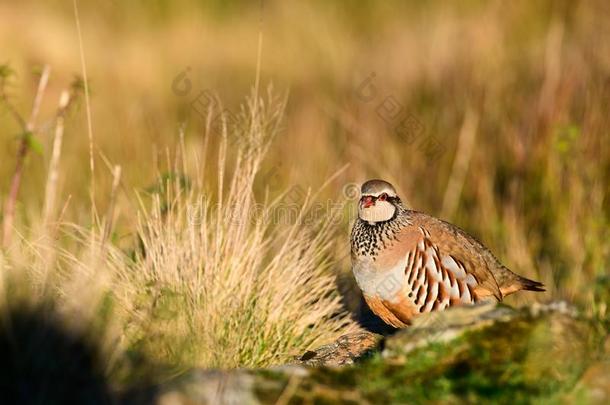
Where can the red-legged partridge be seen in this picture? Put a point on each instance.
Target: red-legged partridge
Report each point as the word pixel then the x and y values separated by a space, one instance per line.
pixel 406 262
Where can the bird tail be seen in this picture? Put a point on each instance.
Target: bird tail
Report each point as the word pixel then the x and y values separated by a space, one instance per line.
pixel 531 285
pixel 519 283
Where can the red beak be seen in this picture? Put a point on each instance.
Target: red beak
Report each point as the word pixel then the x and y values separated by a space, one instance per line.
pixel 367 201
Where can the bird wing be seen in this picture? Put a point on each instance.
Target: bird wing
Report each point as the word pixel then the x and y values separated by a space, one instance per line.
pixel 459 251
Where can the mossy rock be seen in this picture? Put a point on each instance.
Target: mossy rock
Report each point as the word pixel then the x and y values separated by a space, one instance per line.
pixel 488 353
pixel 494 353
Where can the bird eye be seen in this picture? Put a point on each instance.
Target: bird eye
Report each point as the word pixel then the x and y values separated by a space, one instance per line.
pixel 382 197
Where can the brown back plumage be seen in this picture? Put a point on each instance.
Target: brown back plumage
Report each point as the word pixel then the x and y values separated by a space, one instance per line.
pixel 492 275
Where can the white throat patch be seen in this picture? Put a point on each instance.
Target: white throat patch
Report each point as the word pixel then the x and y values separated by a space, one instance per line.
pixel 381 211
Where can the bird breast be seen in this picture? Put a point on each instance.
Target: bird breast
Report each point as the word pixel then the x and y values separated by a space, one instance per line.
pixel 383 283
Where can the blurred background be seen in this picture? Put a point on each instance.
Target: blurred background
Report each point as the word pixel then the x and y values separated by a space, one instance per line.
pixel 491 115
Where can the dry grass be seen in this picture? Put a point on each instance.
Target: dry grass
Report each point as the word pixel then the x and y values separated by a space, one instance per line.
pixel 227 283
pixel 219 279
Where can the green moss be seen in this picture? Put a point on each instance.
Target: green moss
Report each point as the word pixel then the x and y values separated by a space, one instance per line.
pixel 524 360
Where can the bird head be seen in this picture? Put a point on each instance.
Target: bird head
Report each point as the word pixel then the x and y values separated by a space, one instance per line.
pixel 378 201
